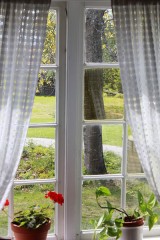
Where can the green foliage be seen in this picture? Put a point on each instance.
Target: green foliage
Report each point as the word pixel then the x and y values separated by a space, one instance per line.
pixel 114 107
pixel 112 162
pixel 49 51
pixel 46 79
pixel 109 46
pixel 36 162
pixel 113 218
pixel 112 81
pixel 33 217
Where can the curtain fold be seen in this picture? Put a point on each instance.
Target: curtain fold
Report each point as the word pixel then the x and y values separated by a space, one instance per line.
pixel 137 25
pixel 22 34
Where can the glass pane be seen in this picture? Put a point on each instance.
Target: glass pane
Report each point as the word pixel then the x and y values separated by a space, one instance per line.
pixel 102 152
pixel 100 40
pixel 103 96
pixel 49 51
pixel 4 223
pixel 38 157
pixel 133 162
pixel 44 107
pixel 132 186
pixel 44 136
pixel 29 195
pixel 90 208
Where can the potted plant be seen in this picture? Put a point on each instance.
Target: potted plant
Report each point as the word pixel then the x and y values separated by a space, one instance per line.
pixel 118 223
pixel 34 223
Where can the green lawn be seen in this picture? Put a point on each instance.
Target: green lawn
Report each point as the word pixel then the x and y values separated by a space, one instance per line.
pixel 44 109
pixel 44 112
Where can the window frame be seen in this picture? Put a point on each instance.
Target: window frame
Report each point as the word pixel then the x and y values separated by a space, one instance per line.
pixel 70 68
pixel 59 125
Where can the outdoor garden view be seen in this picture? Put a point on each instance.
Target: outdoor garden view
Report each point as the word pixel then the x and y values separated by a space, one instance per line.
pixel 37 160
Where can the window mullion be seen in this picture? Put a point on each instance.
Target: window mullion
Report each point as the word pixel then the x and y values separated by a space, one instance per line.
pixel 60 116
pixel 124 165
pixel 74 120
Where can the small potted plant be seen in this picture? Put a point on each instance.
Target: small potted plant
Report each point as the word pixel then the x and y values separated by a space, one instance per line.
pixel 34 223
pixel 116 222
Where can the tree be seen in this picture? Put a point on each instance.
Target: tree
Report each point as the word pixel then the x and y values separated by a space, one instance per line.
pixel 46 79
pixel 93 95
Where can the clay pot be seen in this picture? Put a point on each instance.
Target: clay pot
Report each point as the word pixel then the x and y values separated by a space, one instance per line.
pixel 22 233
pixel 132 229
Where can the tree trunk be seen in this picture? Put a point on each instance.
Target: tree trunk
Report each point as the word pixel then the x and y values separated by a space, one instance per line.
pixel 93 95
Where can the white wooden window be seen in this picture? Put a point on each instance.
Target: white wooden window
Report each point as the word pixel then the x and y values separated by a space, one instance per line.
pixel 70 67
pixel 55 67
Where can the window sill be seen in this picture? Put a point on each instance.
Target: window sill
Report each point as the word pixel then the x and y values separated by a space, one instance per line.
pixel 151 238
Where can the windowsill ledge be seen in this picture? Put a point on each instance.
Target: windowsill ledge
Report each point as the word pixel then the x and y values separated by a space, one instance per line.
pixel 152 238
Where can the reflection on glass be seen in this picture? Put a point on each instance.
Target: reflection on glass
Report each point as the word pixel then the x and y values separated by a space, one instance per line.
pixel 29 195
pixel 133 163
pixel 90 209
pixel 49 51
pixel 103 96
pixel 100 40
pixel 37 160
pixel 102 149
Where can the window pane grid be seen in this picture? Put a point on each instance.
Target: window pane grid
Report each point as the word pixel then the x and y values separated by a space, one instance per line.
pixel 49 66
pixel 100 65
pixel 124 176
pixel 34 181
pixel 37 125
pixel 46 67
pixel 109 122
pixel 99 177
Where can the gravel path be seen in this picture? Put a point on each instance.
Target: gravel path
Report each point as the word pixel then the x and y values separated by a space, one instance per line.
pixel 51 142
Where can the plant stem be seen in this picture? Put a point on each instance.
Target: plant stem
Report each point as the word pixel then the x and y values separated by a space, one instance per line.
pixel 114 208
pixel 6 213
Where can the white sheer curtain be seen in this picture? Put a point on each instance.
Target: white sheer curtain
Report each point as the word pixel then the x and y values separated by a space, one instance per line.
pixel 22 33
pixel 137 26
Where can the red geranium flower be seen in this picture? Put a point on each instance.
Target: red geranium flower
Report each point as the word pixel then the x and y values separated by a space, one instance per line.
pixel 60 199
pixel 6 203
pixel 56 197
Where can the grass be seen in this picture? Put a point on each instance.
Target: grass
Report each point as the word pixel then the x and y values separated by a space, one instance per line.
pixel 38 162
pixel 44 109
pixel 44 112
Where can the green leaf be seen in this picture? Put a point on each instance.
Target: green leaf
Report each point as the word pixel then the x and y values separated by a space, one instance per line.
pixel 93 222
pixel 109 205
pixel 102 191
pixel 152 220
pixel 112 232
pixel 119 233
pixel 119 222
pixel 152 201
pixel 136 213
pixel 140 198
pixel 100 221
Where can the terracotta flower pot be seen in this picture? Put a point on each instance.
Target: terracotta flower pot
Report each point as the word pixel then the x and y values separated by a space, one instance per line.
pixel 22 233
pixel 132 230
